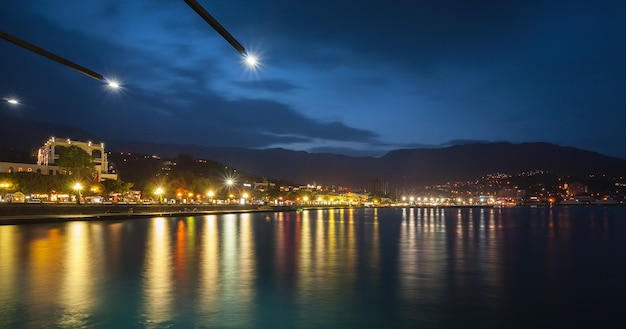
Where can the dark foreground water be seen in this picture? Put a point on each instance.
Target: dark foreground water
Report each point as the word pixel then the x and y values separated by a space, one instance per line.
pixel 364 268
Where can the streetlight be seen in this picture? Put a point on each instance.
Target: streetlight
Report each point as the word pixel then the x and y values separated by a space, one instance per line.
pixel 78 187
pixel 249 59
pixel 4 186
pixel 159 193
pixel 210 194
pixel 229 184
pixel 11 101
pixel 113 84
pixel 40 51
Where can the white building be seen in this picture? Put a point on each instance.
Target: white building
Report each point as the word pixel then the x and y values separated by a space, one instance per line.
pixel 48 154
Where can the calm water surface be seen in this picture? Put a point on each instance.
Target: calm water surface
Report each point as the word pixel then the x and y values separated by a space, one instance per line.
pixel 363 268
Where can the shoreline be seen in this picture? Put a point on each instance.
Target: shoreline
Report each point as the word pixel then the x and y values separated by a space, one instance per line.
pixel 20 213
pixel 15 214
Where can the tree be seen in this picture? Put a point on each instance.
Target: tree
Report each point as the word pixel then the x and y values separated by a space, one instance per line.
pixel 117 186
pixel 77 162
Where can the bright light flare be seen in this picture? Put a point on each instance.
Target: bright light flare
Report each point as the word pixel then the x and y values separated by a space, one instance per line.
pixel 113 84
pixel 251 60
pixel 12 101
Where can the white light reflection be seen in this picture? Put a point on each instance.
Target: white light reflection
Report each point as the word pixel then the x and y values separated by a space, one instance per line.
pixel 247 263
pixel 305 257
pixel 320 248
pixel 352 252
pixel 210 269
pixel 236 282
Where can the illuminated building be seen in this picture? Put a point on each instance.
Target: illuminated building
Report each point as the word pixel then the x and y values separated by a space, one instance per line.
pixel 48 154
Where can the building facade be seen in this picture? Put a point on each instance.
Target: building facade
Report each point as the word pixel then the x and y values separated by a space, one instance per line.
pixel 49 152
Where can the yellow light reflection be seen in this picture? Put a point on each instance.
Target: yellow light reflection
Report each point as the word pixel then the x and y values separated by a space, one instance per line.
pixel 157 274
pixel 9 249
pixel 44 268
pixel 77 292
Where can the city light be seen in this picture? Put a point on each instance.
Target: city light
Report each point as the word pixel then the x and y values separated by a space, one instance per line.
pixel 78 187
pixel 159 193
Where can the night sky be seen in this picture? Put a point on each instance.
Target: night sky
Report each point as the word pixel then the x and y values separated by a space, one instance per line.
pixel 352 77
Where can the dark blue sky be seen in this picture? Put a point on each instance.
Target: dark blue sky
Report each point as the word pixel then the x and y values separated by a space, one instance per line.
pixel 355 77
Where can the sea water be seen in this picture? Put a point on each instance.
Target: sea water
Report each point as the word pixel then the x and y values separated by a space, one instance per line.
pixel 541 267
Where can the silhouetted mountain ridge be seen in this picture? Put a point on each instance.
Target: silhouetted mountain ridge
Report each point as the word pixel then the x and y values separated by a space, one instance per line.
pixel 406 167
pixel 402 168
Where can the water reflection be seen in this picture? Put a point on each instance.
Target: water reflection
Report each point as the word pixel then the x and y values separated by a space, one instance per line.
pixel 340 268
pixel 208 300
pixel 77 297
pixel 157 275
pixel 9 267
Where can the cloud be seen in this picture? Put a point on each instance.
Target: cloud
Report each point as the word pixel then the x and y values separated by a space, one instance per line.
pixel 273 85
pixel 467 141
pixel 415 72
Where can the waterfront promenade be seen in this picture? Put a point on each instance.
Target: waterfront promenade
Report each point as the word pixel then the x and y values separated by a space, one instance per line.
pixel 19 213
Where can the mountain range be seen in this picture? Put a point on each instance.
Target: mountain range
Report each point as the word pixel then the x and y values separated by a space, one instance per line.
pixel 404 167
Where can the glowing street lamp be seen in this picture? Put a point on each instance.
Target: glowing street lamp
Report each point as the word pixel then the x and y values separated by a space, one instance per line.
pixel 216 25
pixel 210 194
pixel 249 59
pixel 4 186
pixel 159 193
pixel 229 183
pixel 78 187
pixel 40 51
pixel 113 84
pixel 11 101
